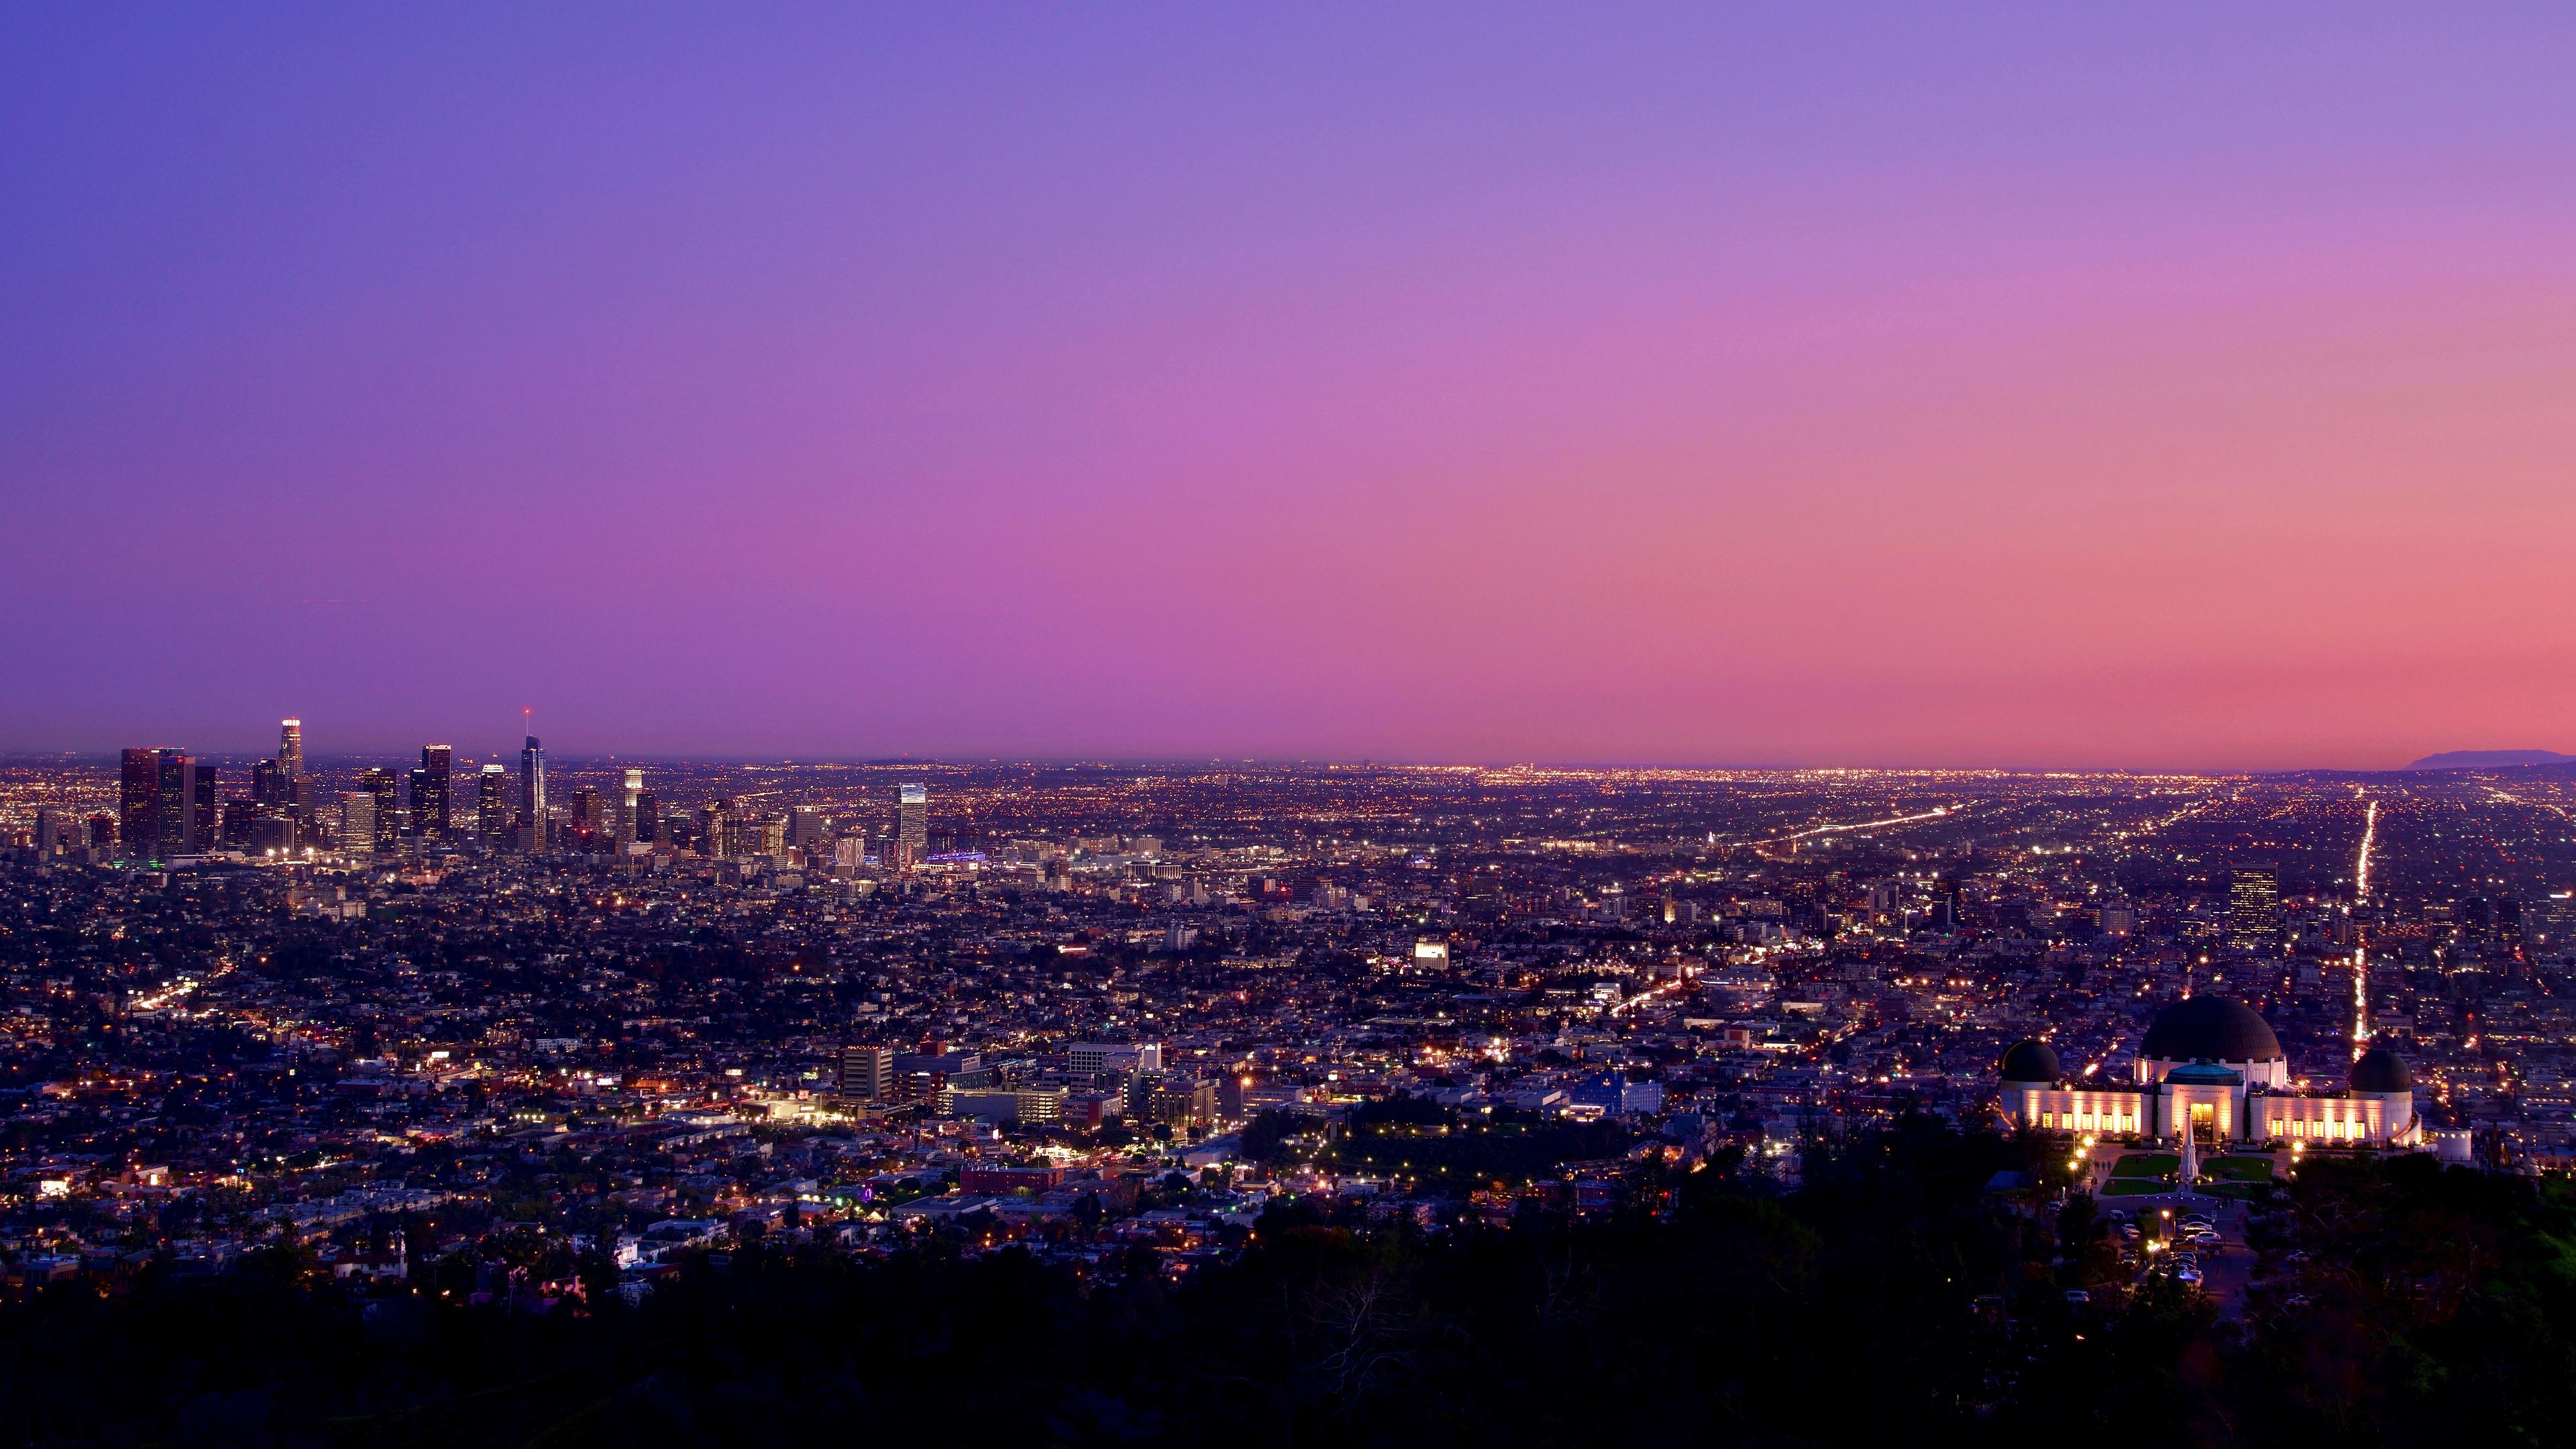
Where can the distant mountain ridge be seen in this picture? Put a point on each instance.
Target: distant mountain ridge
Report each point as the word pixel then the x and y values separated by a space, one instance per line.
pixel 2490 759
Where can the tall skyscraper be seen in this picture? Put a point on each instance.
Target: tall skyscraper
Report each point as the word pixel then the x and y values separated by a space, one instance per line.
pixel 173 821
pixel 648 817
pixel 492 805
pixel 379 782
pixel 205 808
pixel 911 839
pixel 269 785
pixel 55 831
pixel 532 793
pixel 290 747
pixel 358 824
pixel 138 804
pixel 629 800
pixel 806 826
pixel 429 792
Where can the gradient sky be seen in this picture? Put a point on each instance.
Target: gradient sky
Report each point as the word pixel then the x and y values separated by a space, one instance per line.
pixel 2148 386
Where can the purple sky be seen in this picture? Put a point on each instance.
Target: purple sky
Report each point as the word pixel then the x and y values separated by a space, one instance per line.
pixel 2149 386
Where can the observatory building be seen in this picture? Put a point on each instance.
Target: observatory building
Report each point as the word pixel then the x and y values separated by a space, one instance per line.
pixel 2214 1064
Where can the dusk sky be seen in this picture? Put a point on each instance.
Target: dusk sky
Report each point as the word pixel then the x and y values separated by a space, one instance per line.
pixel 2149 386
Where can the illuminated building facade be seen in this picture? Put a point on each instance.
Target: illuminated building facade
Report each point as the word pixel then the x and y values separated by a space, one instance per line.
pixel 911 838
pixel 532 794
pixel 2214 1065
pixel 492 804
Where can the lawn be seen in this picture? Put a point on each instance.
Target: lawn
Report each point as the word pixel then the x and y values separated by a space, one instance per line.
pixel 2133 1187
pixel 2146 1164
pixel 2239 1169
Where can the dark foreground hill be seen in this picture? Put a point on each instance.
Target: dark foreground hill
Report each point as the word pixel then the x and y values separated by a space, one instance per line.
pixel 1890 1300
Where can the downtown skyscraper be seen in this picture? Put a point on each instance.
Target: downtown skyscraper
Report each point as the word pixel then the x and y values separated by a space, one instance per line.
pixel 911 838
pixel 492 805
pixel 532 794
pixel 431 783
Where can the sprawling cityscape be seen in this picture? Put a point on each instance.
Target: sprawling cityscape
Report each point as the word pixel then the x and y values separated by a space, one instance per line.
pixel 1151 726
pixel 640 1012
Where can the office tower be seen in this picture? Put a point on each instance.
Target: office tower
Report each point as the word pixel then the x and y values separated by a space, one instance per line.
pixel 711 829
pixel 589 815
pixel 532 794
pixel 648 817
pixel 138 804
pixel 867 1072
pixel 171 819
pixel 290 747
pixel 102 835
pixel 805 825
pixel 241 822
pixel 629 794
pixel 2252 898
pixel 205 809
pixel 358 824
pixel 911 840
pixel 379 782
pixel 430 814
pixel 269 785
pixel 492 805
pixel 55 832
pixel 849 852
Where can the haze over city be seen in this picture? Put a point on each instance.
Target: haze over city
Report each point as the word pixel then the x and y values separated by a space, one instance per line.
pixel 2180 388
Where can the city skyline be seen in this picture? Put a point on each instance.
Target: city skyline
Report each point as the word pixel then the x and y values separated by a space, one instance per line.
pixel 2048 390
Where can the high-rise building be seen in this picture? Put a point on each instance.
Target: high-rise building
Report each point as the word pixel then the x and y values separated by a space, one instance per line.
pixel 629 798
pixel 806 825
pixel 56 831
pixel 589 816
pixel 379 782
pixel 261 828
pixel 138 803
pixel 358 824
pixel 430 811
pixel 173 822
pixel 205 808
pixel 492 805
pixel 911 839
pixel 290 746
pixel 2253 900
pixel 532 794
pixel 867 1072
pixel 269 785
pixel 648 817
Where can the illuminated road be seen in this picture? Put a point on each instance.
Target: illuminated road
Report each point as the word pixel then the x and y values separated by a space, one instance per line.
pixel 1937 812
pixel 2509 798
pixel 2360 954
